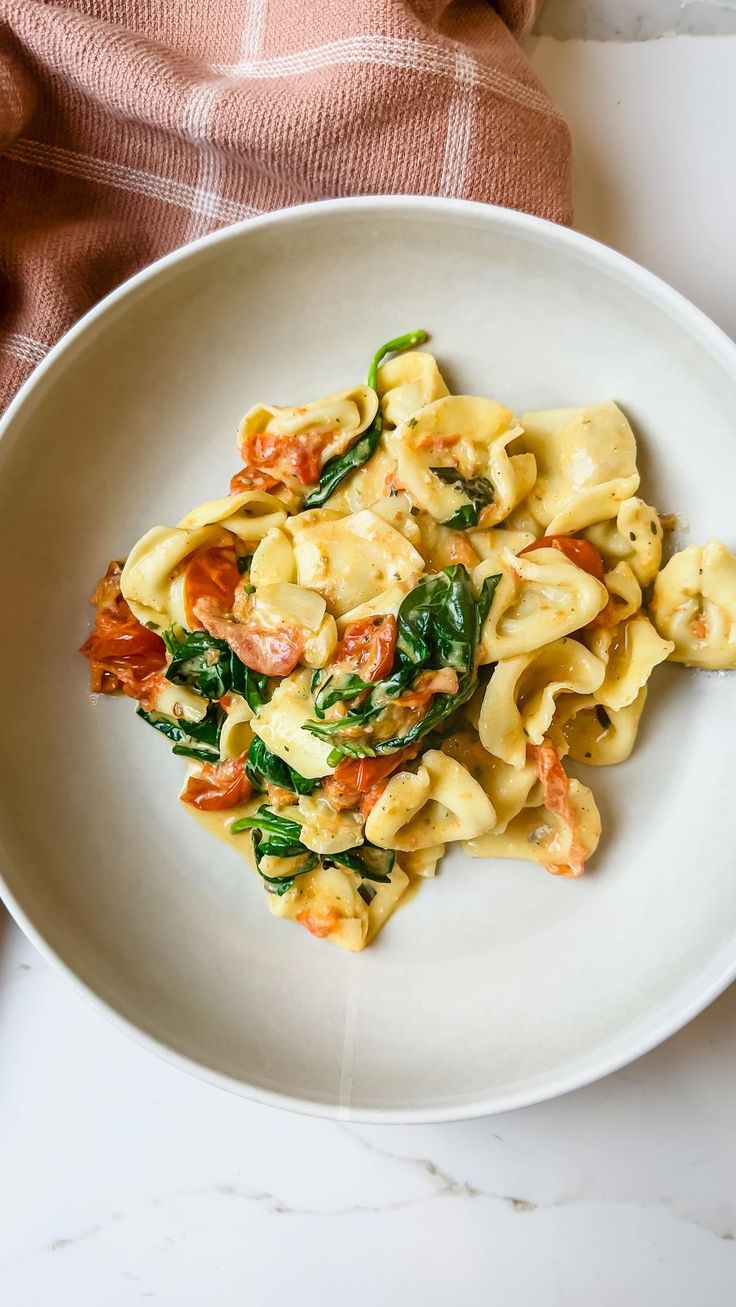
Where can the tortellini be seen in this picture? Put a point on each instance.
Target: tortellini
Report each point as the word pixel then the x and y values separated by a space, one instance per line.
pixel 586 465
pixel 596 735
pixel 352 560
pixel 249 515
pixel 694 606
pixel 364 665
pixel 327 902
pixel 407 383
pixel 279 724
pixel 635 538
pixel 459 432
pixel 520 701
pixel 539 598
pixel 273 560
pixel 630 652
pixel 340 417
pixel 151 578
pixel 438 802
pixel 541 835
pixel 509 788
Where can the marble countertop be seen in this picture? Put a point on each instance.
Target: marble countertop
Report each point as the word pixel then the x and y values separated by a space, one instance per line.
pixel 125 1181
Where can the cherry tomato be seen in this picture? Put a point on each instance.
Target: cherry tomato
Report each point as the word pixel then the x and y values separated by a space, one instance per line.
pixel 580 552
pixel 364 773
pixel 369 645
pixel 211 574
pixel 273 653
pixel 298 454
pixel 123 654
pixel 426 685
pixel 220 785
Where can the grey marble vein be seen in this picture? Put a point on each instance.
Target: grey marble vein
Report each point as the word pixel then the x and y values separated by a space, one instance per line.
pixel 635 20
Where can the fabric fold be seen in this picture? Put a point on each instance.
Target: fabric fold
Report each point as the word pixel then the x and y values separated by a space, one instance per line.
pixel 127 130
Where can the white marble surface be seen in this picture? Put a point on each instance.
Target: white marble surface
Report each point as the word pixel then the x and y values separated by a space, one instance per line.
pixel 124 1181
pixel 635 20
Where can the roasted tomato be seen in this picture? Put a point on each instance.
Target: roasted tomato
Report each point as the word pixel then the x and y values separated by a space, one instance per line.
pixel 298 454
pixel 220 785
pixel 555 789
pixel 210 574
pixel 580 552
pixel 123 654
pixel 355 777
pixel 426 685
pixel 273 653
pixel 369 646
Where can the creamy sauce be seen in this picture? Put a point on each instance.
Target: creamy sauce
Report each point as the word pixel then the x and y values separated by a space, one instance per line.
pixel 218 824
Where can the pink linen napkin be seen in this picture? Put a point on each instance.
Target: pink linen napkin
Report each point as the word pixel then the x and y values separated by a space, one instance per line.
pixel 129 127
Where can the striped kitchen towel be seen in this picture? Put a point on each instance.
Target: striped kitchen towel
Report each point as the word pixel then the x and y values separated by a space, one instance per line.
pixel 129 127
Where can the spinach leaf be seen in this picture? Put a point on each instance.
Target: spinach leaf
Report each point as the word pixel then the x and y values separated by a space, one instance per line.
pixel 336 469
pixel 367 861
pixel 252 685
pixel 262 765
pixel 278 837
pixel 265 820
pixel 479 490
pixel 199 740
pixel 201 662
pixel 282 841
pixel 439 625
pixel 210 667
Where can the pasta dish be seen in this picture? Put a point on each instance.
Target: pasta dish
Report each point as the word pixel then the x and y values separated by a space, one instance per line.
pixel 410 615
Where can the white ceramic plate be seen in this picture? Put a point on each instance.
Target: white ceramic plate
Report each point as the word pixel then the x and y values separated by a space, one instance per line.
pixel 498 985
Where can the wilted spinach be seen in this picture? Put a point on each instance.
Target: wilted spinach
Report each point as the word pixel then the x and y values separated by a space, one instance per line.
pixel 262 766
pixel 479 490
pixel 199 740
pixel 336 469
pixel 439 625
pixel 210 667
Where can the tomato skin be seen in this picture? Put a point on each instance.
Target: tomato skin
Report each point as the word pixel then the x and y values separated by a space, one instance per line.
pixel 369 645
pixel 298 454
pixel 273 653
pixel 580 552
pixel 210 574
pixel 555 788
pixel 319 922
pixel 252 478
pixel 426 685
pixel 123 654
pixel 364 773
pixel 355 778
pixel 220 785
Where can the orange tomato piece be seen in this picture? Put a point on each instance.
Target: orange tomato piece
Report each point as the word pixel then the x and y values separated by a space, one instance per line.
pixel 319 922
pixel 273 653
pixel 354 778
pixel 580 552
pixel 298 454
pixel 555 789
pixel 369 646
pixel 210 574
pixel 220 785
pixel 252 478
pixel 123 654
pixel 427 684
